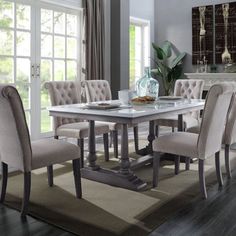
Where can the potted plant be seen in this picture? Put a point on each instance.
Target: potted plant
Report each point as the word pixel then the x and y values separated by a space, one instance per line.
pixel 168 69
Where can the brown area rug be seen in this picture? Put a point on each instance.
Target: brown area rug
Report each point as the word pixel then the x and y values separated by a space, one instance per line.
pixel 107 210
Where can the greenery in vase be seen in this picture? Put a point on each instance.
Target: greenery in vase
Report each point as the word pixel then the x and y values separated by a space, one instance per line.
pixel 168 69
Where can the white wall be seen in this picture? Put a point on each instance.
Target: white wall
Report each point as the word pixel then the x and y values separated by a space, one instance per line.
pixel 174 23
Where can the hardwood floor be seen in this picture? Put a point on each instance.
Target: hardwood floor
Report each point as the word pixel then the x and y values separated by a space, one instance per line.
pixel 12 225
pixel 214 216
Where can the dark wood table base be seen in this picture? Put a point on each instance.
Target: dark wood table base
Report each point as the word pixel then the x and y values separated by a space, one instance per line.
pixel 114 178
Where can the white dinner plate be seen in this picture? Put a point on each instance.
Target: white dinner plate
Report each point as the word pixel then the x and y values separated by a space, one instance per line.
pixel 102 106
pixel 170 98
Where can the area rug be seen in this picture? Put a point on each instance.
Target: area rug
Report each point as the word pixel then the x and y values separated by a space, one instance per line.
pixel 107 210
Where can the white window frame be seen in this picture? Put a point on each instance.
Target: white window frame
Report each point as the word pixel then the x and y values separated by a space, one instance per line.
pixel 143 23
pixel 35 109
pixel 58 6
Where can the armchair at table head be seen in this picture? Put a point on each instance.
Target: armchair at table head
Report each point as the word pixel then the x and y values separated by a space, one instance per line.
pixel 19 152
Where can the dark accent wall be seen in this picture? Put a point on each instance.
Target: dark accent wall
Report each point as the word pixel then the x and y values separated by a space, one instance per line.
pixel 119 46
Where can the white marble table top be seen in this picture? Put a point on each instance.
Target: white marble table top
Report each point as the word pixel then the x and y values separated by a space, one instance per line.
pixel 133 114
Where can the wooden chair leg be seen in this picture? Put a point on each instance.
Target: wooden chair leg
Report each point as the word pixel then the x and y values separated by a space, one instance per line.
pixel 177 162
pixel 4 181
pixel 80 143
pixel 218 169
pixel 50 175
pixel 227 161
pixel 106 146
pixel 187 163
pixel 136 139
pixel 156 166
pixel 77 178
pixel 50 170
pixel 202 178
pixel 115 143
pixel 157 131
pixel 26 197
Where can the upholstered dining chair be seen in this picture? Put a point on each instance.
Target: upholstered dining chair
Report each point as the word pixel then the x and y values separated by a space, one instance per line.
pixel 68 92
pixel 17 151
pixel 229 136
pixel 203 145
pixel 190 89
pixel 99 90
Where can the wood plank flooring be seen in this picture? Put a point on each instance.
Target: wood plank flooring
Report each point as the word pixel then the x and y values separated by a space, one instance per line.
pixel 12 225
pixel 215 216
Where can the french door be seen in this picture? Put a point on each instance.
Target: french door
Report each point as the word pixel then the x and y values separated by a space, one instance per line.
pixel 39 42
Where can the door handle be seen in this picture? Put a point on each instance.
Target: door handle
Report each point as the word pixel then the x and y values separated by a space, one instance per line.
pixel 32 71
pixel 37 71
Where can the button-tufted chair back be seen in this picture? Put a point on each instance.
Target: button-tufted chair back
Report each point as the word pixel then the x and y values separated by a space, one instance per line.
pixel 191 89
pixel 15 146
pixel 63 93
pixel 214 118
pixel 97 90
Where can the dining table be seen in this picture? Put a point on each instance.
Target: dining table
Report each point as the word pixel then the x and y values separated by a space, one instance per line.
pixel 124 115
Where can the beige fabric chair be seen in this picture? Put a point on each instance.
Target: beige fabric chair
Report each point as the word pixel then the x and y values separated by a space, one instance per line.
pixel 17 151
pixel 99 90
pixel 68 92
pixel 204 145
pixel 229 136
pixel 191 89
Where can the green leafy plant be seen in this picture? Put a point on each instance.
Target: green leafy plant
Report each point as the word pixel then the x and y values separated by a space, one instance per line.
pixel 169 70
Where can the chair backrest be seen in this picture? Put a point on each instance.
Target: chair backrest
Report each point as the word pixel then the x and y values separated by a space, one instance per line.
pixel 190 89
pixel 97 90
pixel 15 146
pixel 230 127
pixel 214 118
pixel 63 93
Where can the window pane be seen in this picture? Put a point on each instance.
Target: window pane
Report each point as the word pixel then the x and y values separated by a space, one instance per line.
pixel 46 71
pixel 139 51
pixel 71 48
pixel 24 92
pixel 46 20
pixel 45 100
pixel 6 70
pixel 23 70
pixel 59 47
pixel 59 70
pixel 6 14
pixel 71 25
pixel 45 121
pixel 46 45
pixel 146 46
pixel 23 43
pixel 71 70
pixel 59 22
pixel 22 16
pixel 6 42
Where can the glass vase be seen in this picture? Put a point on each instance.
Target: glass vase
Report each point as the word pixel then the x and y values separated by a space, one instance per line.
pixel 147 86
